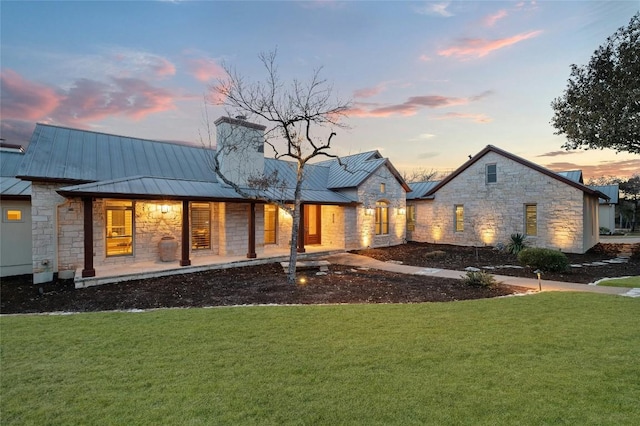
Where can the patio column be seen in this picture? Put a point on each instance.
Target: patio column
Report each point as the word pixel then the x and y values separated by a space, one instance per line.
pixel 87 206
pixel 301 248
pixel 184 258
pixel 251 253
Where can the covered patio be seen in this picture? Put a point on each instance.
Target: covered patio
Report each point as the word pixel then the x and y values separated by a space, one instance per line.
pixel 108 274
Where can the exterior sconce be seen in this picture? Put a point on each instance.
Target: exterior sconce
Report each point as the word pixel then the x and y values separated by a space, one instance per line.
pixel 368 211
pixel 402 211
pixel 164 208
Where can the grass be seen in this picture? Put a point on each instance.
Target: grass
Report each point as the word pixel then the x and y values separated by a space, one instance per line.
pixel 552 358
pixel 630 282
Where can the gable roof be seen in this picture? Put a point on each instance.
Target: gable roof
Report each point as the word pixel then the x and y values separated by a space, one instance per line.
pixel 10 186
pixel 77 156
pixel 611 191
pixel 352 170
pixel 104 165
pixel 526 163
pixel 574 175
pixel 420 189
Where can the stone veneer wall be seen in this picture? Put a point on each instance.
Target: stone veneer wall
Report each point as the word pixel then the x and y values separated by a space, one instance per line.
pixel 234 229
pixel 493 211
pixel 44 202
pixel 395 195
pixel 332 230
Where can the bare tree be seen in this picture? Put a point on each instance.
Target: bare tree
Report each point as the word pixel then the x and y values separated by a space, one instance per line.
pixel 420 175
pixel 300 119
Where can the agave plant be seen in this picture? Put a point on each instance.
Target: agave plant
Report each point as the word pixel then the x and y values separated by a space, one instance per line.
pixel 517 243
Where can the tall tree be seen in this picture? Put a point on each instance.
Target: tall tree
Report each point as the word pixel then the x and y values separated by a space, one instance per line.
pixel 300 119
pixel 601 106
pixel 631 190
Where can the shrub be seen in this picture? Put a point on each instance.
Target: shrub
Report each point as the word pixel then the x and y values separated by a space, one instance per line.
pixel 479 279
pixel 544 259
pixel 604 230
pixel 517 243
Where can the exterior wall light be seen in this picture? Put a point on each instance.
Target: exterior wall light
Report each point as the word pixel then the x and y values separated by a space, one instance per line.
pixel 164 208
pixel 368 211
pixel 402 211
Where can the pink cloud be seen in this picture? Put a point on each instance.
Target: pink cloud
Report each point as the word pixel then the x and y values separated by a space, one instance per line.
pixel 491 20
pixel 478 118
pixel 135 63
pixel 91 100
pixel 25 100
pixel 477 48
pixel 369 92
pixel 622 169
pixel 87 100
pixel 205 69
pixel 424 58
pixel 412 105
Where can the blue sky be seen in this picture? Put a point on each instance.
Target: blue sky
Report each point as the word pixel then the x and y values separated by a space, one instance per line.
pixel 430 82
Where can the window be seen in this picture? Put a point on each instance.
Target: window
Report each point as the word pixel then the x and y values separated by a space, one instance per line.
pixel 411 217
pixel 12 215
pixel 459 218
pixel 200 226
pixel 383 188
pixel 531 219
pixel 119 228
pixel 492 173
pixel 382 218
pixel 270 223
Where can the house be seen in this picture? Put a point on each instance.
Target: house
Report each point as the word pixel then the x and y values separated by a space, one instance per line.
pixel 607 207
pixel 495 194
pixel 100 200
pixel 15 204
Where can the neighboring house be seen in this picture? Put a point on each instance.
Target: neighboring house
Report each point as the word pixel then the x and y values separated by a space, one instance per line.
pixel 607 208
pixel 15 204
pixel 495 194
pixel 100 200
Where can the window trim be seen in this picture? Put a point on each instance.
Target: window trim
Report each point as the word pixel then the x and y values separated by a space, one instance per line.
pixel 200 207
pixel 381 219
pixel 411 217
pixel 5 215
pixel 458 225
pixel 494 174
pixel 526 219
pixel 131 208
pixel 275 223
pixel 383 188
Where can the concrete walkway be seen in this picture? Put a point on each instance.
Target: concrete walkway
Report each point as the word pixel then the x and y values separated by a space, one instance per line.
pixel 356 260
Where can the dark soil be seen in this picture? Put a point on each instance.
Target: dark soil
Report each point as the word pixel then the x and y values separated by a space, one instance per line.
pixel 458 258
pixel 266 284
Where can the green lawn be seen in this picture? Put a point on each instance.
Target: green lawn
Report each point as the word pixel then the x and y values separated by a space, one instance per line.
pixel 630 282
pixel 551 358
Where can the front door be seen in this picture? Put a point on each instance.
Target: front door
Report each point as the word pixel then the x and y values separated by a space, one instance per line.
pixel 312 224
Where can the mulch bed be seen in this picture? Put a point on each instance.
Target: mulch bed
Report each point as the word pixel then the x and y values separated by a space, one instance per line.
pixel 266 284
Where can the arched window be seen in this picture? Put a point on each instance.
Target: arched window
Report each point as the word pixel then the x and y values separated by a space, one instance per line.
pixel 382 218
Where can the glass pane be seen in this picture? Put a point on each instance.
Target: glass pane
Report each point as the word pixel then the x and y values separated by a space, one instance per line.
pixel 200 226
pixel 531 220
pixel 459 218
pixel 270 223
pixel 313 220
pixel 119 228
pixel 13 215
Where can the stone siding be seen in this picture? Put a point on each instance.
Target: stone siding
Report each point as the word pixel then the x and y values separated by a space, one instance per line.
pixel 394 195
pixel 493 211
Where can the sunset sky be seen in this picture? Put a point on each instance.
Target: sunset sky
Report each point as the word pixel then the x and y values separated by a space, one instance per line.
pixel 431 82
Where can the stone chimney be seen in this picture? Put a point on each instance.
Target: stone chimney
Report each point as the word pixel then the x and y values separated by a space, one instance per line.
pixel 241 149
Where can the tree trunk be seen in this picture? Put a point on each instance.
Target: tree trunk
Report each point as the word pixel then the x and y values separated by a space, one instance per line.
pixel 293 247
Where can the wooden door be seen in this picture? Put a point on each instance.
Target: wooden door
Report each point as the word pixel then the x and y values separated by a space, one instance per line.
pixel 312 224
